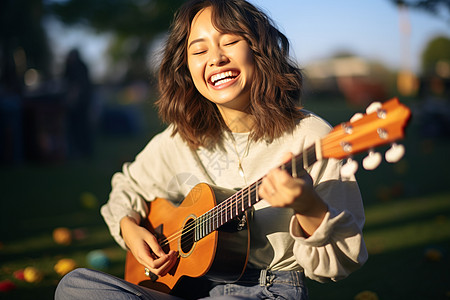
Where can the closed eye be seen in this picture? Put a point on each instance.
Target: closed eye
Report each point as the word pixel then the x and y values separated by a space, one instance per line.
pixel 199 52
pixel 232 43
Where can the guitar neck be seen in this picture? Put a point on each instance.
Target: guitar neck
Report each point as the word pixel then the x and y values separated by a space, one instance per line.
pixel 238 203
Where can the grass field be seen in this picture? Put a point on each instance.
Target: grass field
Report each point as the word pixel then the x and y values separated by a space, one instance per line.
pixel 407 205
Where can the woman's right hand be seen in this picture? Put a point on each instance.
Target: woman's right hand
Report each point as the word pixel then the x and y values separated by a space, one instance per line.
pixel 145 247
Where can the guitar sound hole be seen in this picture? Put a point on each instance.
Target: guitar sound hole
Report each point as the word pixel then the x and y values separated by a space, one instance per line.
pixel 187 236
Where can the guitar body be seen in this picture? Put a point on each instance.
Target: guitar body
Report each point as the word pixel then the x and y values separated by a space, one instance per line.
pixel 219 256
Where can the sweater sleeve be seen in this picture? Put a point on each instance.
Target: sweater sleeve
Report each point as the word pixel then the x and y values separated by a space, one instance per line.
pixel 138 182
pixel 337 247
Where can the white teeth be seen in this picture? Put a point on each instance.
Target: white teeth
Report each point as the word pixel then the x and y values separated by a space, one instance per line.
pixel 225 81
pixel 217 77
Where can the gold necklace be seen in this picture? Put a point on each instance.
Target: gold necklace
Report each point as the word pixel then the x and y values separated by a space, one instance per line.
pixel 247 146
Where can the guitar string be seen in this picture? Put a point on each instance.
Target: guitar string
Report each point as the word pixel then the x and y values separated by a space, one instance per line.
pixel 219 211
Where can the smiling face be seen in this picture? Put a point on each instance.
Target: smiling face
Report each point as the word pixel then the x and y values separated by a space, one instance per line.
pixel 221 64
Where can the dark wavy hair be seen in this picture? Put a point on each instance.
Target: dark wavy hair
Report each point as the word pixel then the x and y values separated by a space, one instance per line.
pixel 275 92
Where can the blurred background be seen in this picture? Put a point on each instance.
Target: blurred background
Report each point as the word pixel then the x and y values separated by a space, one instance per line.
pixel 77 87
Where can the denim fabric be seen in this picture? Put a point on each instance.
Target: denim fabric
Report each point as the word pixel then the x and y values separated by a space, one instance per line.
pixel 256 284
pixel 86 284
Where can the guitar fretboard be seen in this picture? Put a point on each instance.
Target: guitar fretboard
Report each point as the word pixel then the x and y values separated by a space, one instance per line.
pixel 244 199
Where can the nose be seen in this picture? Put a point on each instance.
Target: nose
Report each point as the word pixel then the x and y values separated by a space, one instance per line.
pixel 217 58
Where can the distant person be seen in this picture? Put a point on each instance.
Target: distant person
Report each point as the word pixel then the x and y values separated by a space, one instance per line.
pixel 230 94
pixel 79 94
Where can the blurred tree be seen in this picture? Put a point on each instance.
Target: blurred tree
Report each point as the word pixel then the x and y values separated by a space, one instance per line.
pixel 436 53
pixel 134 25
pixel 439 8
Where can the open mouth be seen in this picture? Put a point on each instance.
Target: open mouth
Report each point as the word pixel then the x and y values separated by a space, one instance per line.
pixel 222 78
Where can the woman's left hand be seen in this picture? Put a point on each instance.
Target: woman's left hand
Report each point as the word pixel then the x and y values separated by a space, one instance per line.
pixel 280 189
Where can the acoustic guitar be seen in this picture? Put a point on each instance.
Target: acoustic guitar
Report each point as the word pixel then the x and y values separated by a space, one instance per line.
pixel 209 228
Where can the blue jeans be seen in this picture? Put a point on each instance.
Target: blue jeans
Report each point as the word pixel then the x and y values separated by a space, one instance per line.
pixel 87 284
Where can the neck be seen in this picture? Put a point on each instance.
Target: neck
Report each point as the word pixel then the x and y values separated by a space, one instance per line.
pixel 237 121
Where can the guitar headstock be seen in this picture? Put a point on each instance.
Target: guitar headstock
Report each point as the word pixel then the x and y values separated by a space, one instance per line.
pixel 382 124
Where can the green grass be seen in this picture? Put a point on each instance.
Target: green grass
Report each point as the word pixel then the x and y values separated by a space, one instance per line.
pixel 407 205
pixel 408 223
pixel 408 241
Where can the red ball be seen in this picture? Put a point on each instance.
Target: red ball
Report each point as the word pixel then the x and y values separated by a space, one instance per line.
pixel 19 274
pixel 7 285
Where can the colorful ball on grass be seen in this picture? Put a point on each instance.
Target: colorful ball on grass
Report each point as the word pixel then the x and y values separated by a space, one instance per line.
pixel 366 295
pixel 433 254
pixel 89 201
pixel 6 286
pixel 62 236
pixel 79 234
pixel 19 274
pixel 64 266
pixel 98 259
pixel 31 274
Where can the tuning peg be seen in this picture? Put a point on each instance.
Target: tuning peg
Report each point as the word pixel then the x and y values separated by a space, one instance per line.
pixel 395 153
pixel 349 168
pixel 356 117
pixel 373 107
pixel 372 160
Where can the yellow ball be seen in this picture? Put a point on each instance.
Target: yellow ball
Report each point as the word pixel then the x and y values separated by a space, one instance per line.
pixel 64 266
pixel 31 274
pixel 89 201
pixel 366 295
pixel 62 236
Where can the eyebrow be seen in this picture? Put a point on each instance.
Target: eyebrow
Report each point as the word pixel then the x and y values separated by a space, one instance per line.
pixel 196 41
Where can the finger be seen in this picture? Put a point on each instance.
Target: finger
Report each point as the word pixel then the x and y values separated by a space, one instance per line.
pixel 150 251
pixel 158 260
pixel 173 258
pixel 286 188
pixel 280 177
pixel 286 157
pixel 161 266
pixel 279 180
pixel 154 245
pixel 266 188
pixel 146 258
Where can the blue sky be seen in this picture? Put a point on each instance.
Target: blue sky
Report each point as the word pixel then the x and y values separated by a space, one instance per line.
pixel 316 29
pixel 369 28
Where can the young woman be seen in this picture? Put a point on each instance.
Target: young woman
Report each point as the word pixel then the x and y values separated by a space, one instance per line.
pixel 230 96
